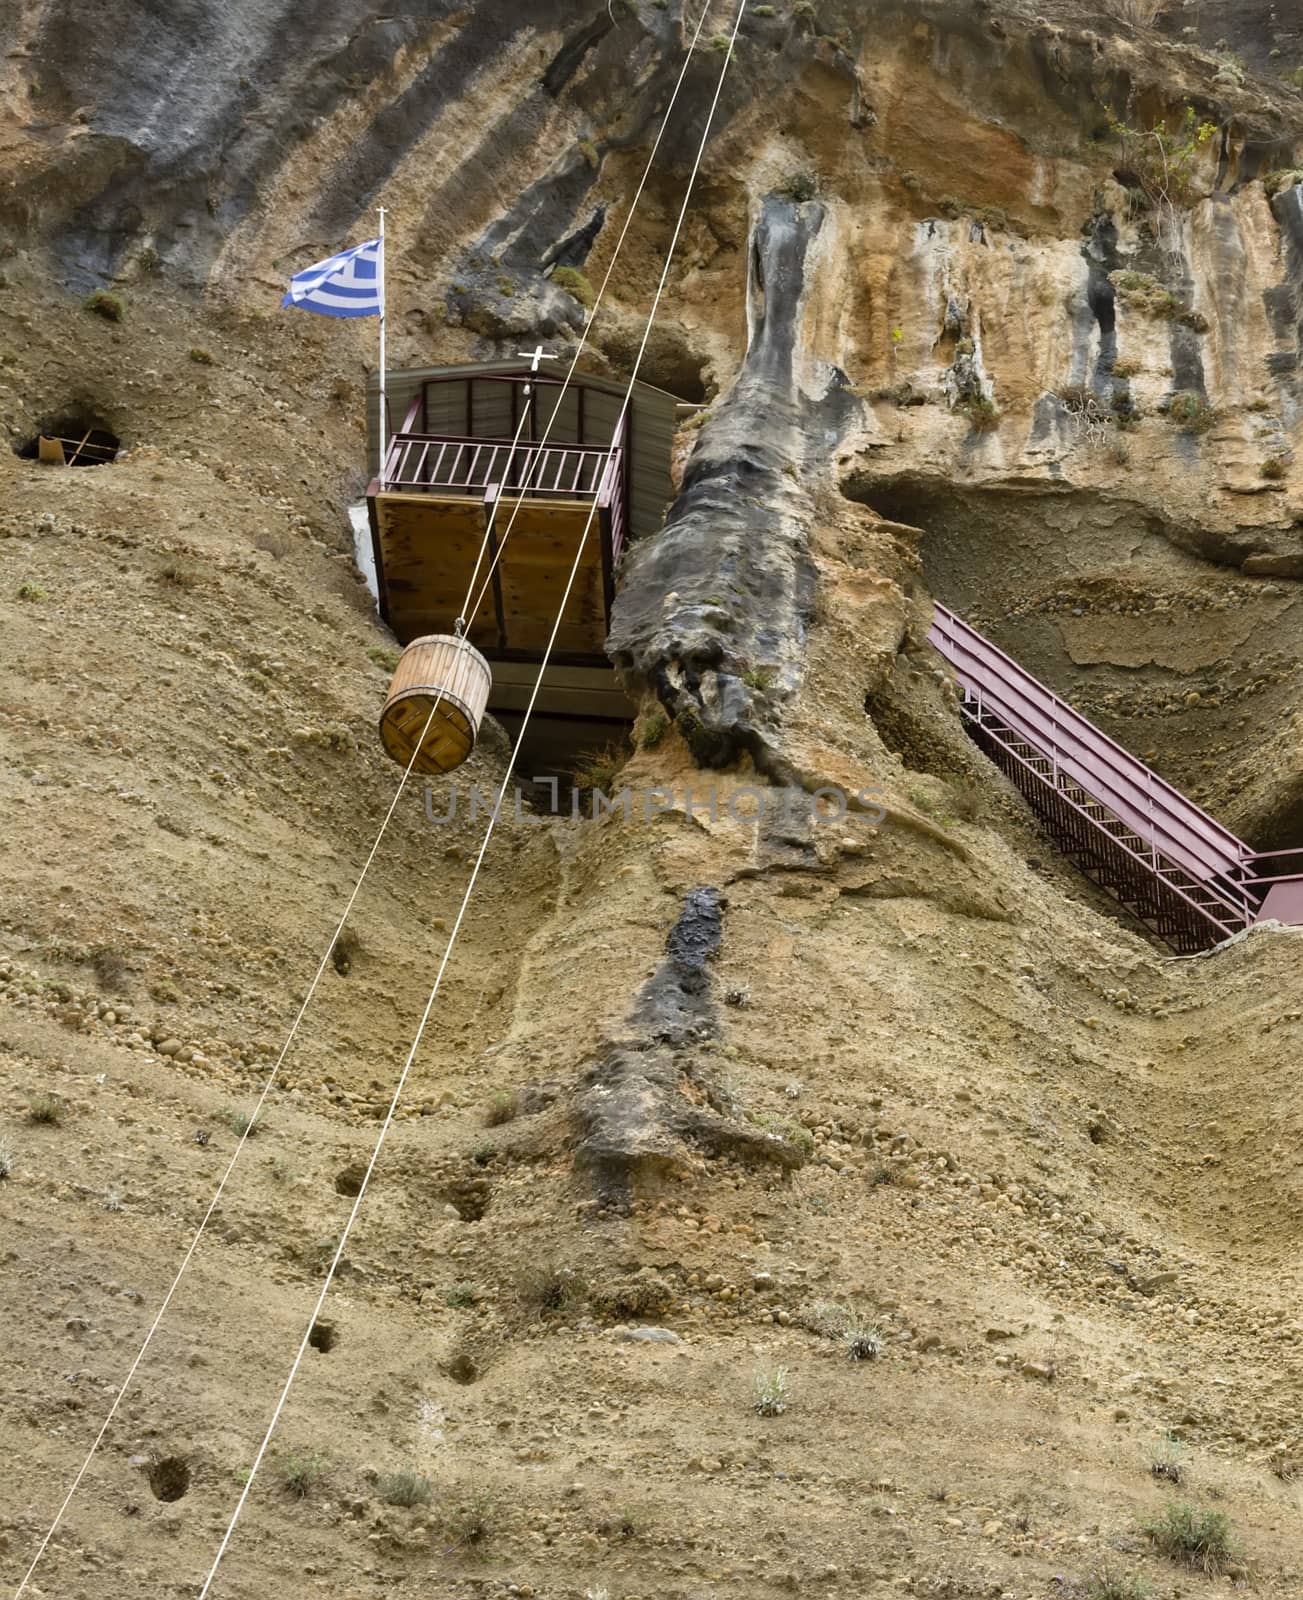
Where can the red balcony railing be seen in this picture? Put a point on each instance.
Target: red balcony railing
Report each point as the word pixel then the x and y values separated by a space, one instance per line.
pixel 436 464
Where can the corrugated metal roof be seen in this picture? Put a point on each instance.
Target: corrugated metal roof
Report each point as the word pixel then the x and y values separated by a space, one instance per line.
pixel 654 413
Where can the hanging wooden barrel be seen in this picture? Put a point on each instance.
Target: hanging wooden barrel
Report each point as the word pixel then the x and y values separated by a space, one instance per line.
pixel 449 676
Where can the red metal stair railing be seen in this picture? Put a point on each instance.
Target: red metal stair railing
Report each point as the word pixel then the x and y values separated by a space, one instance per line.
pixel 1167 861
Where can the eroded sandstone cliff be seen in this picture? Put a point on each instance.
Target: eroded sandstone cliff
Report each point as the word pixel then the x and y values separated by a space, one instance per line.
pixel 758 1083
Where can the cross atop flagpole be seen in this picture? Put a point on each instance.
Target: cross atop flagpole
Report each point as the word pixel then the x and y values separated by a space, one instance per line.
pixel 535 355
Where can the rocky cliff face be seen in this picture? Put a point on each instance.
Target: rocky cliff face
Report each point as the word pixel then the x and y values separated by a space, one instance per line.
pixel 1006 299
pixel 787 1089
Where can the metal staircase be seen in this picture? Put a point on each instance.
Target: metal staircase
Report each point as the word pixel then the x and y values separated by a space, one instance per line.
pixel 1171 865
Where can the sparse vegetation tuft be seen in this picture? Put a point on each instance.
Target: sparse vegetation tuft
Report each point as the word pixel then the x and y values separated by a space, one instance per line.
pixel 201 357
pixel 504 1106
pixel 773 1391
pixel 1274 467
pixel 1191 411
pixel 598 769
pixel 405 1487
pixel 801 1139
pixel 549 1290
pixel 460 1296
pixel 863 1342
pixel 1144 293
pixel 652 729
pixel 1140 13
pixel 1167 1461
pixel 1198 1539
pixel 983 414
pixel 1108 1584
pixel 8 1160
pixel 103 304
pixel 470 1522
pixel 31 591
pixel 45 1109
pixel 300 1471
pixel 384 656
pixel 241 1123
pixel 638 1298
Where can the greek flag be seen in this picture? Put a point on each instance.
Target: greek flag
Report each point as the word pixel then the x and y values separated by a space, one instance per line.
pixel 346 285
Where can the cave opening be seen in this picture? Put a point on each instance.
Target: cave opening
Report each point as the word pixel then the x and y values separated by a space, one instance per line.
pixel 566 750
pixel 74 438
pixel 169 1478
pixel 1281 827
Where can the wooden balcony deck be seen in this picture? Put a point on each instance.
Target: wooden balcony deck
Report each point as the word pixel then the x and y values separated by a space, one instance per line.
pixel 429 510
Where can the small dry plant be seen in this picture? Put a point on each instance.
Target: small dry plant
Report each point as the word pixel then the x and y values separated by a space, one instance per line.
pixel 773 1391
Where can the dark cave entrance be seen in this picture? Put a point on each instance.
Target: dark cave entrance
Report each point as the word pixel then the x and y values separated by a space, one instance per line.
pixel 567 749
pixel 169 1479
pixel 1282 827
pixel 72 439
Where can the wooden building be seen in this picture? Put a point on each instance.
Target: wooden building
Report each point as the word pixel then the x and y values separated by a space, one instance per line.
pixel 451 468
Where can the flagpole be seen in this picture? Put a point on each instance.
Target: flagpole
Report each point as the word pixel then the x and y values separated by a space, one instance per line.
pixel 384 415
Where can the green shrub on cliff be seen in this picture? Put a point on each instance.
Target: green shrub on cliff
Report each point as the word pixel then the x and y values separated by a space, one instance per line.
pixel 983 414
pixel 1143 293
pixel 573 282
pixel 1191 410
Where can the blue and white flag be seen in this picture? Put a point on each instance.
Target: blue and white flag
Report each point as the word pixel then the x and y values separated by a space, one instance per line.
pixel 347 285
